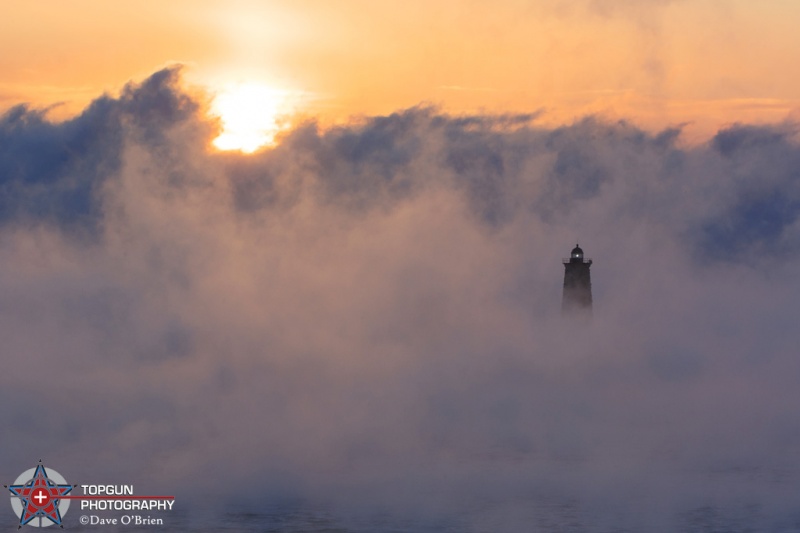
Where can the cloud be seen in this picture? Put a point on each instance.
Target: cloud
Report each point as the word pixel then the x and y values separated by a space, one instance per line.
pixel 367 317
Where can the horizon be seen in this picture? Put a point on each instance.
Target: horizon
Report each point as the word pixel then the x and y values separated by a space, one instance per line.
pixel 658 63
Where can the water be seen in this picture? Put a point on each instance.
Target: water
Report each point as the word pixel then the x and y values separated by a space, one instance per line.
pixel 732 500
pixel 545 515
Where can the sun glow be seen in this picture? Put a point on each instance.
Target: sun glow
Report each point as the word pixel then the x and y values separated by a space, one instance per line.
pixel 251 116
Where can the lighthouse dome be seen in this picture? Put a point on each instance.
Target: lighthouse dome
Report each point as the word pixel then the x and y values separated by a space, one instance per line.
pixel 576 253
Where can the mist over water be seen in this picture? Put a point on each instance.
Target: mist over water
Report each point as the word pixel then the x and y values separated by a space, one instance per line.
pixel 359 329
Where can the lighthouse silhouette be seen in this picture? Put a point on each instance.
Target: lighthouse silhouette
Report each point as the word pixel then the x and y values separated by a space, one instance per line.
pixel 577 298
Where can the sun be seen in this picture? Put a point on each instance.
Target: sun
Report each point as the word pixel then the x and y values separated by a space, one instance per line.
pixel 250 114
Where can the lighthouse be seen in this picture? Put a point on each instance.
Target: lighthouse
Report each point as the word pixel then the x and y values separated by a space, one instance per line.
pixel 577 284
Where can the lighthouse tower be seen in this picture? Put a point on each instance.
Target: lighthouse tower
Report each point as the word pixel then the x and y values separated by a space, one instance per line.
pixel 577 284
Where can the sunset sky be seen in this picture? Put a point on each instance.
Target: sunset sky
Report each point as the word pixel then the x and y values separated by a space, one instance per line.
pixel 314 249
pixel 658 62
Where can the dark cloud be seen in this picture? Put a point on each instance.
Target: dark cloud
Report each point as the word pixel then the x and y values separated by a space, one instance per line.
pixel 366 318
pixel 761 165
pixel 54 170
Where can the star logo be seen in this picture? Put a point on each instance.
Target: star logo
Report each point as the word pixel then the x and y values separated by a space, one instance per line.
pixel 37 494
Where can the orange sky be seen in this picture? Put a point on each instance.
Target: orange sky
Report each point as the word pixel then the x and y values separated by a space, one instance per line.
pixel 658 62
